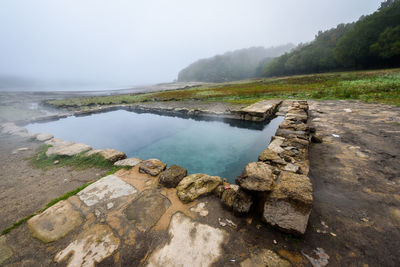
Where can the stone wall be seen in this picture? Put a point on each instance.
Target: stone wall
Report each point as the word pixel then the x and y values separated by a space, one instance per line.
pixel 278 182
pixel 276 186
pixel 260 111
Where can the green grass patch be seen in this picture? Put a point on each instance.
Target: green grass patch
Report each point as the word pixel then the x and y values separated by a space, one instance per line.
pixel 65 196
pixel 79 161
pixel 370 86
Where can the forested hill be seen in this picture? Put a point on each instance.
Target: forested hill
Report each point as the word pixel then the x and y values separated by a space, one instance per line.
pixel 237 65
pixel 371 42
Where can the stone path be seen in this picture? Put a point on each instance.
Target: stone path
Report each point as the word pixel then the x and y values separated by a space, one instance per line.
pixel 260 107
pixel 356 179
pixel 122 216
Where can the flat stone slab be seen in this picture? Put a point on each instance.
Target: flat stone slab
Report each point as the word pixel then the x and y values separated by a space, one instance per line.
pixel 145 211
pixel 68 150
pixel 105 189
pixel 43 137
pixel 92 246
pixel 192 244
pixel 130 162
pixel 55 222
pixel 260 107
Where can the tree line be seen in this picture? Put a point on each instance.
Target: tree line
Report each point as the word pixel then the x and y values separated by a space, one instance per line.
pixel 371 42
pixel 236 65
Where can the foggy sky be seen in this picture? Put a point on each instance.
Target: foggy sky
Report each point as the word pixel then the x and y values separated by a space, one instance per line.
pixel 131 42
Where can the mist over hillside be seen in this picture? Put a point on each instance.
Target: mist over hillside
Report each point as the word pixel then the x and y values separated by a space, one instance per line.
pixel 234 65
pixel 373 41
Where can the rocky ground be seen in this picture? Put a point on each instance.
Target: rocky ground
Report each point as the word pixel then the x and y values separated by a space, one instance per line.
pixel 129 219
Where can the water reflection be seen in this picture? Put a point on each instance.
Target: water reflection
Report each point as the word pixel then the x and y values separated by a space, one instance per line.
pixel 206 146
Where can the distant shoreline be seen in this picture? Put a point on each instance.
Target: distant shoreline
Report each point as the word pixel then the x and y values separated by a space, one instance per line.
pixel 100 92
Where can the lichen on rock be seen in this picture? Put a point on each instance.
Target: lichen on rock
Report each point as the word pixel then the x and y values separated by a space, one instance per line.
pixel 195 185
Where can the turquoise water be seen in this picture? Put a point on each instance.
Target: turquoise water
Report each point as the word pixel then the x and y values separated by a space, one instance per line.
pixel 201 146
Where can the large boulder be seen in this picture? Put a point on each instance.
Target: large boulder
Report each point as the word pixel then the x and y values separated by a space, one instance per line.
pixel 172 176
pixel 257 176
pixel 288 206
pixel 112 155
pixel 152 166
pixel 195 185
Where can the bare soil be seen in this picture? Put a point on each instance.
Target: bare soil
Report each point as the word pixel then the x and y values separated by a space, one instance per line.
pixel 356 182
pixel 24 189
